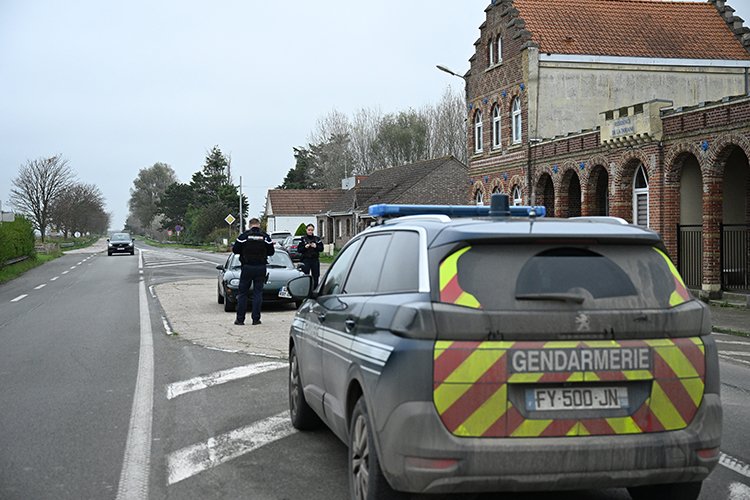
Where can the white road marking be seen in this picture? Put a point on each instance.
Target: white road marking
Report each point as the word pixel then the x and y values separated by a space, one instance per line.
pixel 20 297
pixel 65 272
pixel 736 353
pixel 79 263
pixel 151 291
pixel 735 464
pixel 734 342
pixel 73 267
pixel 738 491
pixel 735 359
pixel 167 328
pixel 40 286
pixel 200 457
pixel 134 476
pixel 55 278
pixel 221 377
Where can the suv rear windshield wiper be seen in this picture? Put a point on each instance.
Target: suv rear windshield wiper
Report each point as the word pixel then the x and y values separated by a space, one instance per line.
pixel 561 297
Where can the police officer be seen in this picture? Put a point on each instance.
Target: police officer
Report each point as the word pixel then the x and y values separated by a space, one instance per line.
pixel 253 247
pixel 310 248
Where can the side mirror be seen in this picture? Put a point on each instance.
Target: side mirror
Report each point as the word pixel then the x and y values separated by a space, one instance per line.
pixel 133 240
pixel 300 287
pixel 107 239
pixel 220 267
pixel 299 267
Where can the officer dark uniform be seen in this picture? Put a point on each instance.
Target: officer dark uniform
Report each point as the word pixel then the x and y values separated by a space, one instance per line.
pixel 310 248
pixel 253 247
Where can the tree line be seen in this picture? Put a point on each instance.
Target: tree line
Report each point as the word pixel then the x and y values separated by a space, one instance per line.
pixel 342 146
pixel 159 202
pixel 48 194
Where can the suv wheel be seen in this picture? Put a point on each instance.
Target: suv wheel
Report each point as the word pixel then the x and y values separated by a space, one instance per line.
pixel 366 479
pixel 219 296
pixel 229 306
pixel 683 491
pixel 303 417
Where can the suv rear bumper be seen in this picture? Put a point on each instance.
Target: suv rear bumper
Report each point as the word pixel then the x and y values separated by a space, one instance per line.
pixel 523 464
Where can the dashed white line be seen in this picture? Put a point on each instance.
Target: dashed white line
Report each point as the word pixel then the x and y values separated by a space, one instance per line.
pixel 200 457
pixel 65 272
pixel 55 278
pixel 735 464
pixel 733 342
pixel 20 297
pixel 40 286
pixel 736 353
pixel 734 359
pixel 73 267
pixel 167 328
pixel 221 377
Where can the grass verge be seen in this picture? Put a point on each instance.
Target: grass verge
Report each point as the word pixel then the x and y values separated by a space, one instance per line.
pixel 731 331
pixel 13 271
pixel 208 247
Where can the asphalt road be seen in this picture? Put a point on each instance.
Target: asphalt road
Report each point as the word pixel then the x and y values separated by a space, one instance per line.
pixel 69 360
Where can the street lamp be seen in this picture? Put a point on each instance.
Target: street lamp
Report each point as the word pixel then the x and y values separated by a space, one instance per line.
pixel 449 71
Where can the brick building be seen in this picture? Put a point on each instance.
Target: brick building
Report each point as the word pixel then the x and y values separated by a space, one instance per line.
pixel 633 109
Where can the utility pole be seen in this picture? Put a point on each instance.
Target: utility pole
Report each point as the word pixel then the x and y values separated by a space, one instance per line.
pixel 242 227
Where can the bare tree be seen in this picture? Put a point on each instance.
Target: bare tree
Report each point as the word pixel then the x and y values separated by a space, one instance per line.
pixel 80 207
pixel 447 126
pixel 38 185
pixel 364 130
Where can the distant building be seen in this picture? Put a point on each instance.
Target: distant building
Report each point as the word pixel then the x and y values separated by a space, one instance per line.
pixel 428 182
pixel 286 209
pixel 627 108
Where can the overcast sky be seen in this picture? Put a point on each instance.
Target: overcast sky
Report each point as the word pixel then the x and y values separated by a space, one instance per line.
pixel 116 87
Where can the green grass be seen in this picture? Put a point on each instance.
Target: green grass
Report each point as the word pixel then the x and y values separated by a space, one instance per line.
pixel 15 270
pixel 205 246
pixel 731 331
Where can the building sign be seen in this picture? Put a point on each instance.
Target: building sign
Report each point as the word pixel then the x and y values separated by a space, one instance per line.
pixel 623 126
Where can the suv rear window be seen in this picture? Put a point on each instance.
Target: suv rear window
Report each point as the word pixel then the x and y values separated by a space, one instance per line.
pixel 522 277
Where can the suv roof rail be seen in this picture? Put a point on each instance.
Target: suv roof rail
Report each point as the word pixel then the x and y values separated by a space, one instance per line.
pixel 498 208
pixel 433 217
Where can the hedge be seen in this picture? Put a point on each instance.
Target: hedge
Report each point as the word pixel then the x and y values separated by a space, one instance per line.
pixel 16 240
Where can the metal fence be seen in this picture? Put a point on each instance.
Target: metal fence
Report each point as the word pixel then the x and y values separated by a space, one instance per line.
pixel 735 256
pixel 690 254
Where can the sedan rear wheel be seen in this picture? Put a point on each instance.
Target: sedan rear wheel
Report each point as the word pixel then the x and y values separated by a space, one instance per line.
pixel 366 479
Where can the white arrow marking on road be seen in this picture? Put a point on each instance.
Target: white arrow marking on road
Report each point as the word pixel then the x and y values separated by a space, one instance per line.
pixel 220 377
pixel 200 457
pixel 20 297
pixel 734 464
pixel 40 286
pixel 738 491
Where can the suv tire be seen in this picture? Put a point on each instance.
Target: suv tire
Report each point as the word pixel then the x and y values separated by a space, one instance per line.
pixel 366 479
pixel 683 491
pixel 219 296
pixel 303 417
pixel 229 306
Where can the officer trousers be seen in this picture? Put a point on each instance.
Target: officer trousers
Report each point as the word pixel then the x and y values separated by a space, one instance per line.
pixel 254 274
pixel 312 266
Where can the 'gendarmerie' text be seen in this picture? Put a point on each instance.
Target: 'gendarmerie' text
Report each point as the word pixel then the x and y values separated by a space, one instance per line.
pixel 583 360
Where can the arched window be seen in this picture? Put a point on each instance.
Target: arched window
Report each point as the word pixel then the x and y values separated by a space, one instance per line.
pixel 499 49
pixel 640 197
pixel 479 197
pixel 478 132
pixel 517 123
pixel 496 189
pixel 517 196
pixel 496 127
pixel 491 52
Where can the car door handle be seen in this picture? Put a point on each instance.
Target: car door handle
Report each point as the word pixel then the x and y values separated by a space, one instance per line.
pixel 321 317
pixel 350 324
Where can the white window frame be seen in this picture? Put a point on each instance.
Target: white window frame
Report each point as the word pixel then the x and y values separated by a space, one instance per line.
pixel 499 49
pixel 479 197
pixel 496 127
pixel 638 192
pixel 478 140
pixel 517 196
pixel 517 121
pixel 491 50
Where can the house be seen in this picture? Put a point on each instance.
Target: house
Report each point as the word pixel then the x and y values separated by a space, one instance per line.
pixel 633 109
pixel 428 182
pixel 286 209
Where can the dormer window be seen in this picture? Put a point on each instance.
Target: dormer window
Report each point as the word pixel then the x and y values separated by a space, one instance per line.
pixel 478 145
pixel 517 120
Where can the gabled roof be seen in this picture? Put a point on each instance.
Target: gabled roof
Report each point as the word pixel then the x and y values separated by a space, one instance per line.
pixel 300 201
pixel 437 181
pixel 630 28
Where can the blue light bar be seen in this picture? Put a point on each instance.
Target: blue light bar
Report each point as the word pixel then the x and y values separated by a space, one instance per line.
pixel 387 210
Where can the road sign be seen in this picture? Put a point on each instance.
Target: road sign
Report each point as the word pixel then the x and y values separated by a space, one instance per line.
pixel 169 232
pixel 229 219
pixel 178 228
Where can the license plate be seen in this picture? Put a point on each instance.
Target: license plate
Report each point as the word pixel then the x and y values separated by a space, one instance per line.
pixel 576 398
pixel 284 293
